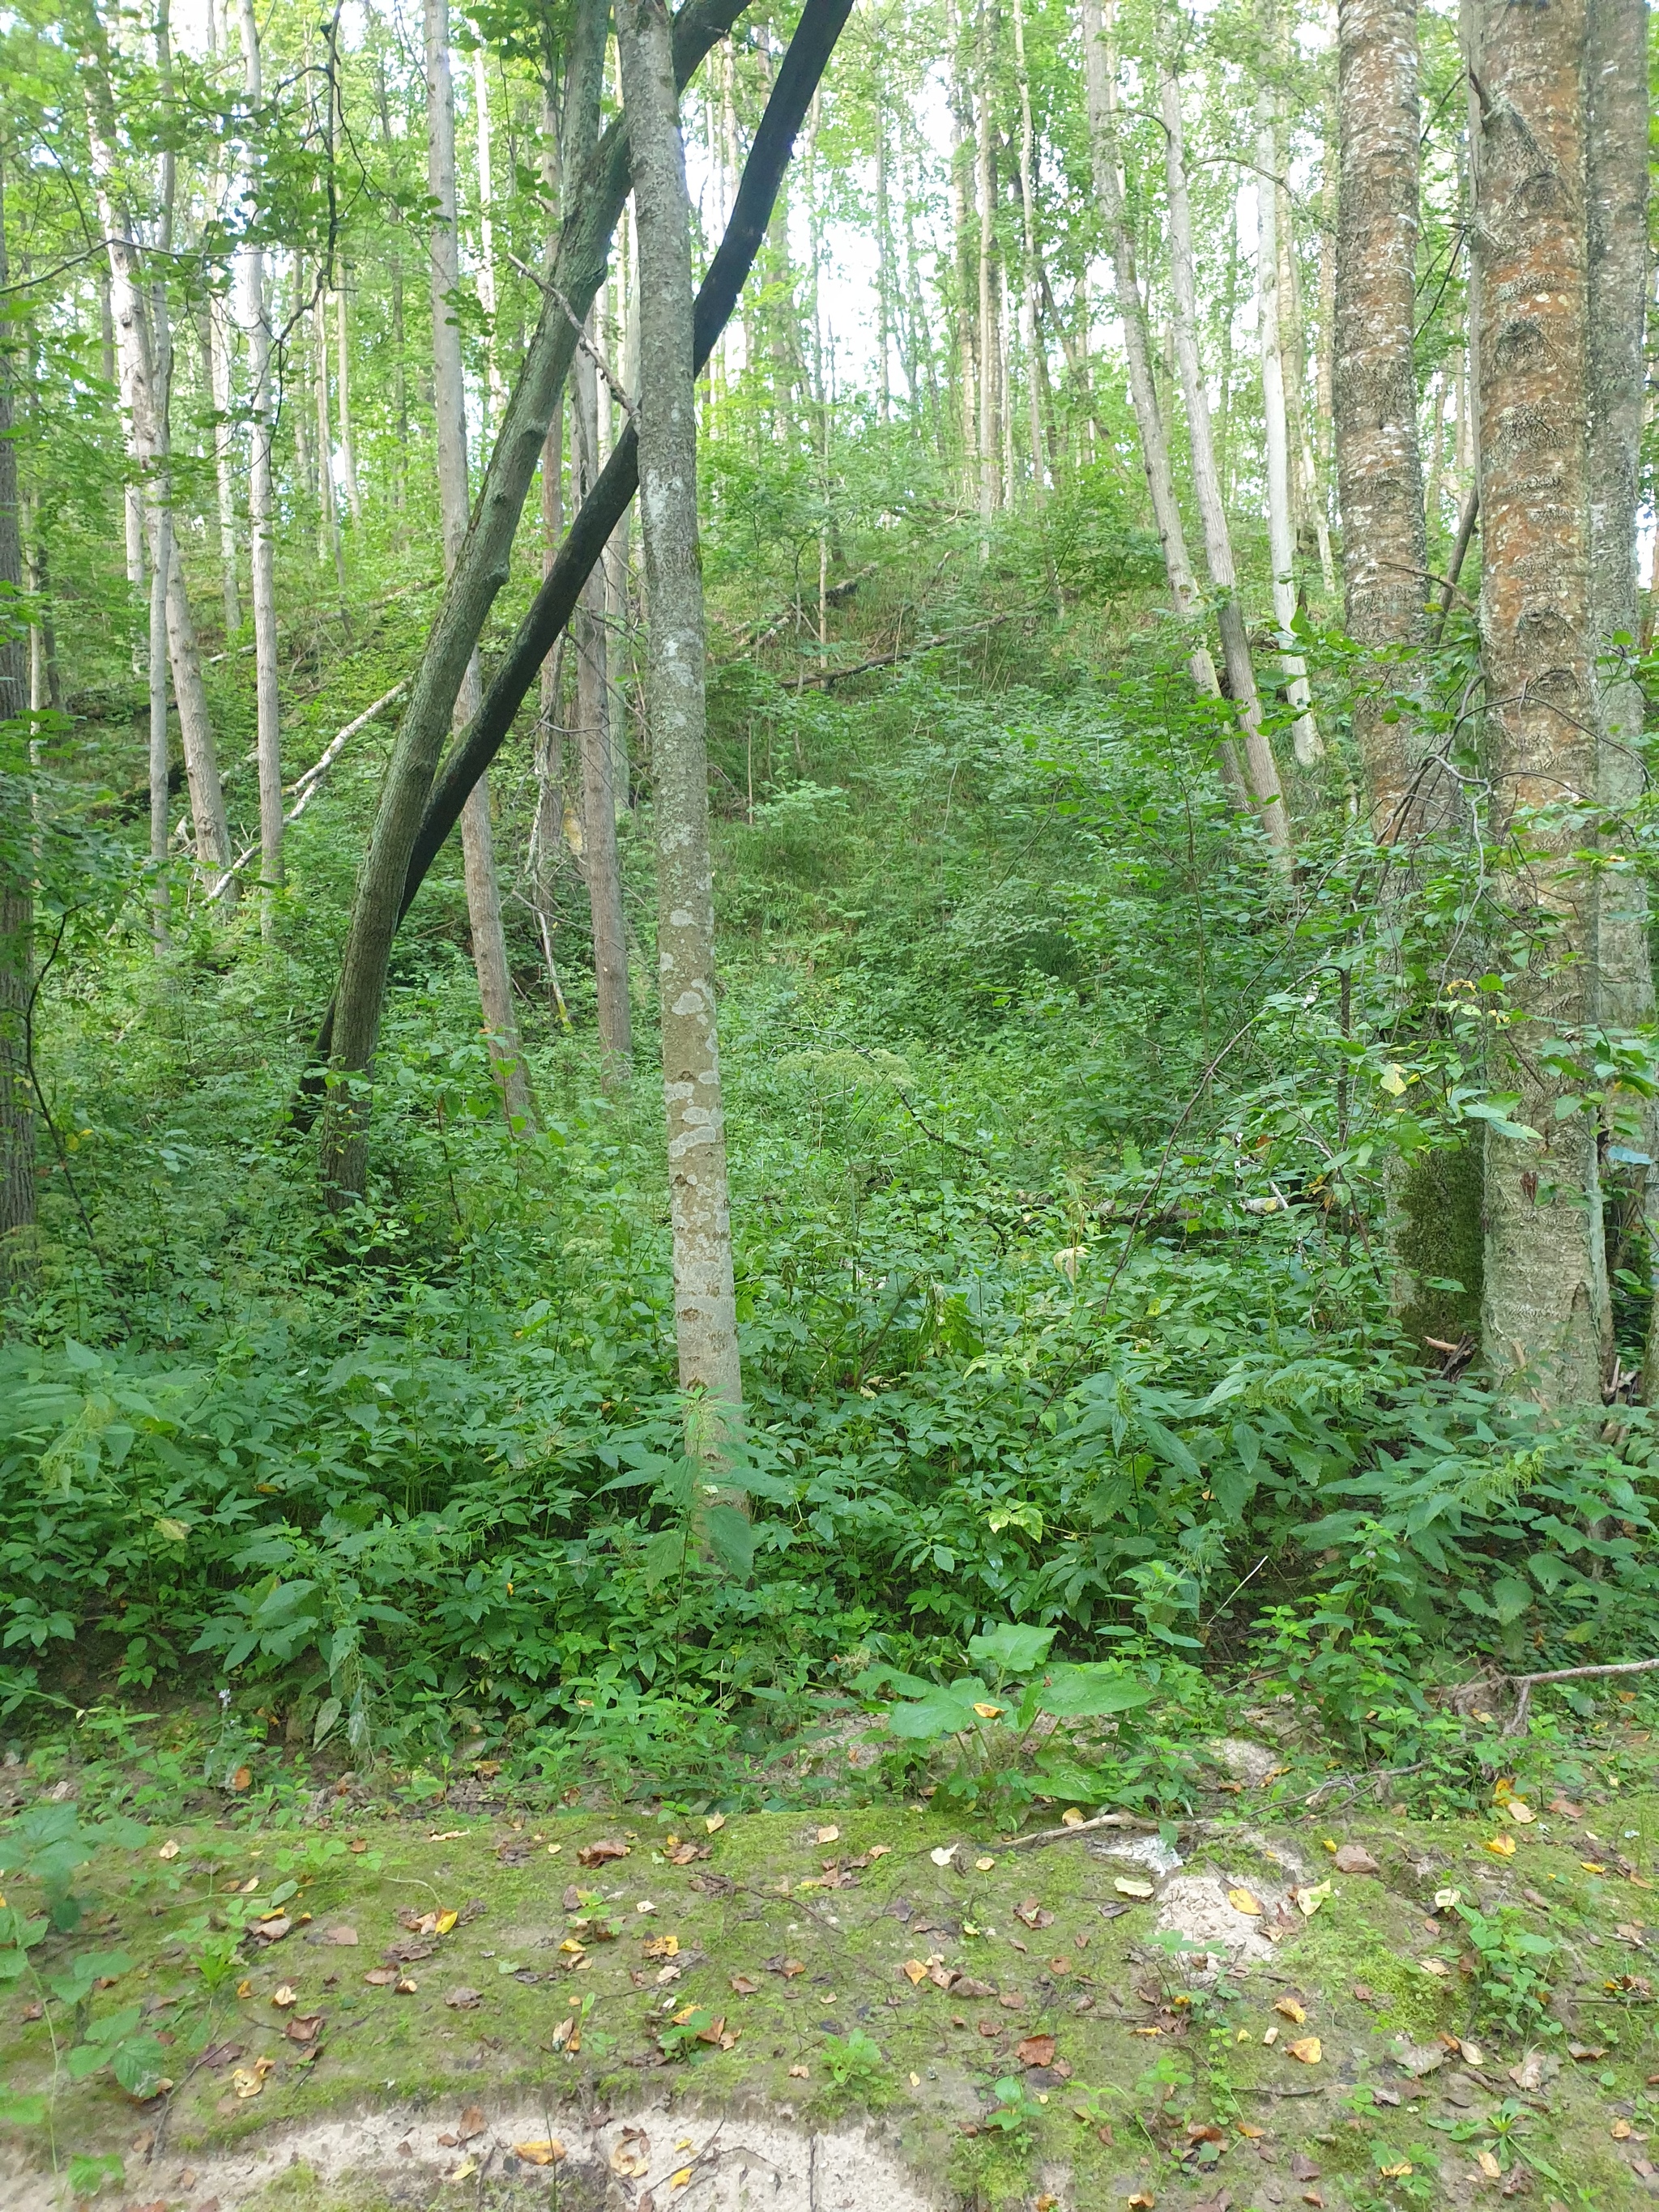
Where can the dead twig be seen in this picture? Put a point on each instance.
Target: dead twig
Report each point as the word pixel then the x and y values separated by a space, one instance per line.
pixel 1524 1685
pixel 1084 1828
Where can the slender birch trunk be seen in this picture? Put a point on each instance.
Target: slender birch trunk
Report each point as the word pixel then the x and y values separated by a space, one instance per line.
pixel 483 902
pixel 496 389
pixel 216 346
pixel 254 318
pixel 1027 304
pixel 1099 75
pixel 1261 769
pixel 600 863
pixel 342 396
pixel 1545 1324
pixel 1379 469
pixel 990 321
pixel 1281 534
pixel 16 891
pixel 329 547
pixel 145 349
pixel 705 1309
pixel 1294 347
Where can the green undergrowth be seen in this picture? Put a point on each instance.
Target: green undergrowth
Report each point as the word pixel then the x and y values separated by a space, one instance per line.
pixel 1019 2018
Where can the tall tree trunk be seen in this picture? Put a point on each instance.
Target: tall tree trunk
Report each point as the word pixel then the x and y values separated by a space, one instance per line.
pixel 1027 303
pixel 255 320
pixel 484 901
pixel 1281 533
pixel 1099 73
pixel 1378 466
pixel 962 135
pixel 1616 78
pixel 1261 770
pixel 479 574
pixel 990 302
pixel 145 352
pixel 343 393
pixel 496 390
pixel 161 527
pixel 1293 331
pixel 216 345
pixel 884 264
pixel 329 547
pixel 705 1306
pixel 600 863
pixel 16 899
pixel 1545 1318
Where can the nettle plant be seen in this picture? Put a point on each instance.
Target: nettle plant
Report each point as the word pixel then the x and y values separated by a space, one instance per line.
pixel 1017 1729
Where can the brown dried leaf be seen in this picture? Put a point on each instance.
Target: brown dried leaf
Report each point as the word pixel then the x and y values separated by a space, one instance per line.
pixel 1036 2051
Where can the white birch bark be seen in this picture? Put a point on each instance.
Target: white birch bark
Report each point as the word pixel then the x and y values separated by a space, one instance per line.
pixel 217 348
pixel 1261 769
pixel 1281 534
pixel 255 321
pixel 497 389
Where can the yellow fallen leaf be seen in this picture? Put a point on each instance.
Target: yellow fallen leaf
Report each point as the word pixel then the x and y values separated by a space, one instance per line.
pixel 1132 1888
pixel 880 1851
pixel 245 1989
pixel 286 1995
pixel 1592 1866
pixel 548 2152
pixel 1438 1968
pixel 1489 2165
pixel 798 2073
pixel 1310 1897
pixel 1472 2054
pixel 1520 1811
pixel 1292 2010
pixel 1395 2172
pixel 1307 2049
pixel 1330 1843
pixel 987 1712
pixel 916 2080
pixel 1621 2132
pixel 1241 1901
pixel 1503 1789
pixel 1250 2134
pixel 464 2170
pixel 984 1866
pixel 553 1850
pixel 1071 1818
pixel 681 2180
pixel 713 1823
pixel 445 1922
pixel 830 1835
pixel 914 1973
pixel 1501 1847
pixel 168 1851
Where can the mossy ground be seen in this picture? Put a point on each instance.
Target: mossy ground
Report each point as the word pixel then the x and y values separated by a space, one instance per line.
pixel 795 1937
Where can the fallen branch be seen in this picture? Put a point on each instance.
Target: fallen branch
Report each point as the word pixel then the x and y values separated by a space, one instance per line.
pixel 1084 1828
pixel 1526 1683
pixel 305 786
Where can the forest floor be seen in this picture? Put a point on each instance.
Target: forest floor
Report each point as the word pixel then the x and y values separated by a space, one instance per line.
pixel 868 2011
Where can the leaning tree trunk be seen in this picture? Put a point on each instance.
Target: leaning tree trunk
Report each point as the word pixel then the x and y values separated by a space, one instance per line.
pixel 1099 70
pixel 1262 770
pixel 1378 467
pixel 261 502
pixel 16 901
pixel 1545 1317
pixel 480 571
pixel 705 1308
pixel 1617 203
pixel 483 898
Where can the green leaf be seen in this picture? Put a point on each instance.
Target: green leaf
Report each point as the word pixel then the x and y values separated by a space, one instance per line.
pixel 1089 1692
pixel 18 2110
pixel 328 1715
pixel 941 1712
pixel 87 2175
pixel 731 1539
pixel 1017 1650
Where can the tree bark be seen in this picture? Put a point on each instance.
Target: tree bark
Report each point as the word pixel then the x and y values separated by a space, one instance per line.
pixel 600 863
pixel 217 348
pixel 1028 301
pixel 989 287
pixel 342 391
pixel 1616 79
pixel 484 899
pixel 261 500
pixel 1261 770
pixel 144 352
pixel 16 900
pixel 479 574
pixel 1378 466
pixel 1281 533
pixel 1101 93
pixel 1544 1317
pixel 705 1305
pixel 496 390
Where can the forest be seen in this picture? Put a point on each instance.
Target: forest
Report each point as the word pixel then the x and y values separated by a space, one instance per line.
pixel 827 994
